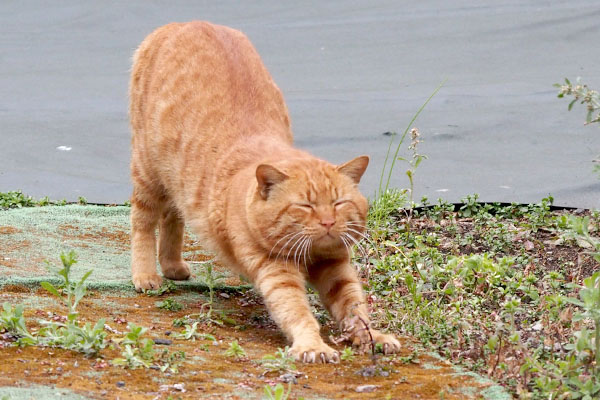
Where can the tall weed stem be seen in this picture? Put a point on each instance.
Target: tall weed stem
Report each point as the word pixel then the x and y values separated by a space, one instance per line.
pixel 381 190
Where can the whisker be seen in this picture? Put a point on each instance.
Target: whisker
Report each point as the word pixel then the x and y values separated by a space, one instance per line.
pixel 373 245
pixel 280 239
pixel 345 241
pixel 360 225
pixel 296 258
pixel 294 245
pixel 310 248
pixel 362 235
pixel 357 243
pixel 286 243
pixel 305 248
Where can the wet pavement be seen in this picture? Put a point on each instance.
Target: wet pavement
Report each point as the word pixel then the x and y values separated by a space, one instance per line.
pixel 349 70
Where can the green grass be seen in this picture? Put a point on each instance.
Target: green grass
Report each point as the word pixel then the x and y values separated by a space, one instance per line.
pixel 492 288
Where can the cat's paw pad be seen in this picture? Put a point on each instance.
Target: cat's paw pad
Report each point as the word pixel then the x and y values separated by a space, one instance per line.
pixel 389 344
pixel 315 353
pixel 177 270
pixel 146 281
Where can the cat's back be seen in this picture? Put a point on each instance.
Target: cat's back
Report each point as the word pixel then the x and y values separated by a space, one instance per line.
pixel 197 78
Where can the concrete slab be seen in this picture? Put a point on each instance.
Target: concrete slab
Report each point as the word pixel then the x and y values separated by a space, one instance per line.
pixel 350 71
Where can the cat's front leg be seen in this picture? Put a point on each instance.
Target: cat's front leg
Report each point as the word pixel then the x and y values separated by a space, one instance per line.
pixel 284 293
pixel 342 294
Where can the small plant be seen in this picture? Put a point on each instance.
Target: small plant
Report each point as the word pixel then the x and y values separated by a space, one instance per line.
pixel 414 163
pixel 347 354
pixel 190 332
pixel 281 362
pixel 169 304
pixel 86 339
pixel 74 291
pixel 170 361
pixel 82 201
pixel 589 301
pixel 167 287
pixel 13 322
pixel 71 335
pixel 578 228
pixel 134 335
pixel 235 350
pixel 138 352
pixel 278 393
pixel 583 94
pixel 384 188
pixel 136 357
pixel 16 199
pixel 470 206
pixel 412 358
pixel 212 279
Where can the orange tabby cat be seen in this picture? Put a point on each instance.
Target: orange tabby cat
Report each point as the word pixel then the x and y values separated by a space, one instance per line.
pixel 212 146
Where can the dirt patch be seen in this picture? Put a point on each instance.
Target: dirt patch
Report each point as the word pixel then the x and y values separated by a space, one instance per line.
pixel 16 289
pixel 7 230
pixel 207 371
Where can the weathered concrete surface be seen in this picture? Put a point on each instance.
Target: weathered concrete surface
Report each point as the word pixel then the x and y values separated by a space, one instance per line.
pixel 350 70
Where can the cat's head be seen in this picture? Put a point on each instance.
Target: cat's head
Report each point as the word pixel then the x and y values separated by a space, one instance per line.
pixel 308 206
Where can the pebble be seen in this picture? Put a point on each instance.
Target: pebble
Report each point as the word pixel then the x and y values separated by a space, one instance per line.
pixel 287 378
pixel 120 384
pixel 166 342
pixel 366 388
pixel 367 371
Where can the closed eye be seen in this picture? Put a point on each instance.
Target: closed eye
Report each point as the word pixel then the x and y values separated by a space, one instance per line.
pixel 304 206
pixel 340 203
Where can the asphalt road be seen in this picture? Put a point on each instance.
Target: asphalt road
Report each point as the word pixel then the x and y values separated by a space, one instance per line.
pixel 350 71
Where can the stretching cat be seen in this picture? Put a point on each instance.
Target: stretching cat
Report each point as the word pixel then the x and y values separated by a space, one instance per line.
pixel 212 146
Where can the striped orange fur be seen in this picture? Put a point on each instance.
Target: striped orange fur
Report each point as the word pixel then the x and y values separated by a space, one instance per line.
pixel 212 147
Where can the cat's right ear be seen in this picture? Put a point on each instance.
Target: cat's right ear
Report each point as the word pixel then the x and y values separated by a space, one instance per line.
pixel 268 176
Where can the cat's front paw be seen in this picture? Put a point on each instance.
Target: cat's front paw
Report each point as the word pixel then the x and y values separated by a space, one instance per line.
pixel 146 281
pixel 389 344
pixel 363 337
pixel 314 353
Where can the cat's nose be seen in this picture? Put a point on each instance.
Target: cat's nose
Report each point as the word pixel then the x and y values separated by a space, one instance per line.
pixel 327 223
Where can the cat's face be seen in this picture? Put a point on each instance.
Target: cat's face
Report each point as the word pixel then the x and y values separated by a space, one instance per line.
pixel 304 207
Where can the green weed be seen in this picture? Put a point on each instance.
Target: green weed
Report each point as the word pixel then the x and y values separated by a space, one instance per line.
pixel 235 350
pixel 278 393
pixel 281 362
pixel 347 354
pixel 190 332
pixel 88 339
pixel 167 287
pixel 16 199
pixel 13 322
pixel 170 305
pixel 138 351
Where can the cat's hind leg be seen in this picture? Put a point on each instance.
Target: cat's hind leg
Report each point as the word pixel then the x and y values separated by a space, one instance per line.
pixel 145 211
pixel 171 229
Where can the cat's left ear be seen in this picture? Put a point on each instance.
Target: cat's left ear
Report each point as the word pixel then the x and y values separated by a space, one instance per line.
pixel 354 168
pixel 267 176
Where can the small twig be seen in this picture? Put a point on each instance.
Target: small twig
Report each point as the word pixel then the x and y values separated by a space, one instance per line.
pixel 491 373
pixel 370 336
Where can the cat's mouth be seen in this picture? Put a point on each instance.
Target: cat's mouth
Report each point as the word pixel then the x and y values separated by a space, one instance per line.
pixel 329 238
